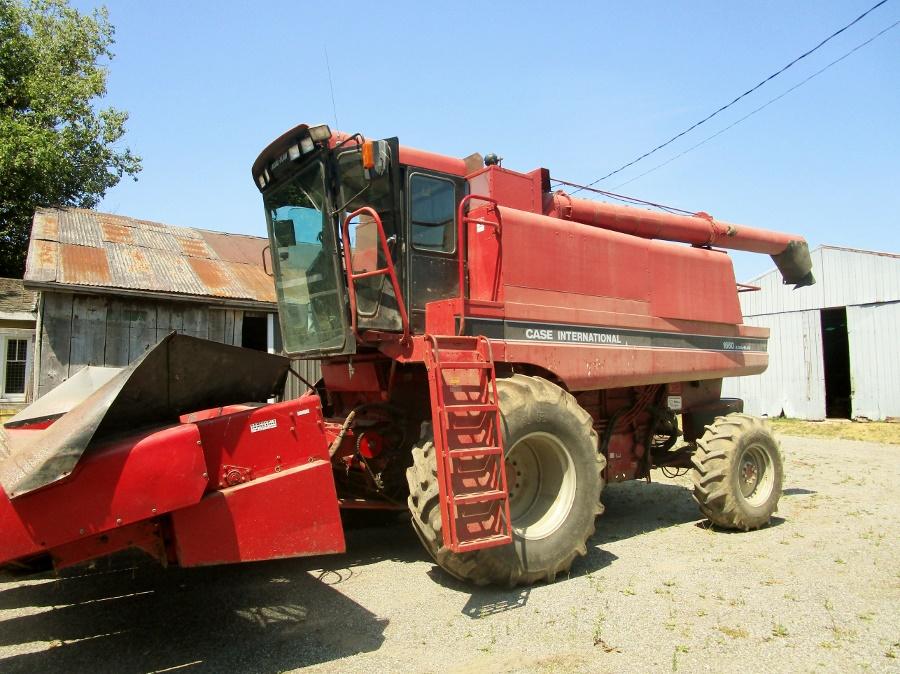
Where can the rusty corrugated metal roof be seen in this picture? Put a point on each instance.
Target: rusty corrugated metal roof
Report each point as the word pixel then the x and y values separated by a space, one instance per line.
pixel 77 247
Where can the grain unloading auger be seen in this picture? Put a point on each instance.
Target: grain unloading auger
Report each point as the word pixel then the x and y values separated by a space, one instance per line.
pixel 492 353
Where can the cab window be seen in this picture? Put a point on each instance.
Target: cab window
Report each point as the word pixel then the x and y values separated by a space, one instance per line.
pixel 432 211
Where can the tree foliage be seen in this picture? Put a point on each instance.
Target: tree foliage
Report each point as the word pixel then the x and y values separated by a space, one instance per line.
pixel 57 147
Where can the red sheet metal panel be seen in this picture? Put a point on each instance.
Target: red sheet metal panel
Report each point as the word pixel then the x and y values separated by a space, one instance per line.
pixel 692 284
pixel 544 252
pixel 146 535
pixel 585 368
pixel 286 514
pixel 263 440
pixel 131 480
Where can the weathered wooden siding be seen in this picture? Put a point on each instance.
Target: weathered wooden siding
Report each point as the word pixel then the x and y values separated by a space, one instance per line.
pixel 81 330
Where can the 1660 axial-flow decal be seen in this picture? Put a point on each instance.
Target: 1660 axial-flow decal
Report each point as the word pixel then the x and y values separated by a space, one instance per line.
pixel 560 333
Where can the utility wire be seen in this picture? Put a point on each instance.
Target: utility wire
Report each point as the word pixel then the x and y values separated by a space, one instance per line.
pixel 634 201
pixel 331 85
pixel 746 93
pixel 762 107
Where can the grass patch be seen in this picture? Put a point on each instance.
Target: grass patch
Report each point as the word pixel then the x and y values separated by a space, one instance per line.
pixel 733 632
pixel 870 431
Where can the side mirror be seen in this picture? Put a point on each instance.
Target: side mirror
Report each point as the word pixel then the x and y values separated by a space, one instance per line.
pixel 376 158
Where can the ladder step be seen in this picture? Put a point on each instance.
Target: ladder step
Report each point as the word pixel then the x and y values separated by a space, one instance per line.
pixel 463 365
pixel 471 407
pixel 479 497
pixel 464 452
pixel 485 542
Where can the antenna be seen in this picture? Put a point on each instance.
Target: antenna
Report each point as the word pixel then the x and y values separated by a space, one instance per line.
pixel 331 85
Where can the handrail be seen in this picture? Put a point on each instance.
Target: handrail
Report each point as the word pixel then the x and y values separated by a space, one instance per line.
pixel 267 247
pixel 388 270
pixel 463 220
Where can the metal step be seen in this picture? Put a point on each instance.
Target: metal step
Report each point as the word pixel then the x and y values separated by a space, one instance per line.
pixel 478 527
pixel 479 497
pixel 463 365
pixel 484 542
pixel 463 452
pixel 471 407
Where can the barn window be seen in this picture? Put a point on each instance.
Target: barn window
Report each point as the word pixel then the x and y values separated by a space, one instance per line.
pixel 13 368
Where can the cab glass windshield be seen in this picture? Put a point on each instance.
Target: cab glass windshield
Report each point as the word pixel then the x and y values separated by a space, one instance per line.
pixel 305 258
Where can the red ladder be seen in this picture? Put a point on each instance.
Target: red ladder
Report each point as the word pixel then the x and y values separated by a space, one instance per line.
pixel 468 440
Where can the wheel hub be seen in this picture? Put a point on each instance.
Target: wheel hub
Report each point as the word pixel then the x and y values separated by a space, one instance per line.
pixel 755 474
pixel 750 477
pixel 540 477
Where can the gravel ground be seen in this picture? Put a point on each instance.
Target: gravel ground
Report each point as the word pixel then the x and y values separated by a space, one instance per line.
pixel 818 590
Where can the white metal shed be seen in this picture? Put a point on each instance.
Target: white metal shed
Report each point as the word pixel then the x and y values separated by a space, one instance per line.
pixel 834 348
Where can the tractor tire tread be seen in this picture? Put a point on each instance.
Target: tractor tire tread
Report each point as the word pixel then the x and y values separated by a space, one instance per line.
pixel 482 567
pixel 715 463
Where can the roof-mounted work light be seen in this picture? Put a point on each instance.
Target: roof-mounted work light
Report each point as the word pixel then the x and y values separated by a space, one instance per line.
pixel 320 133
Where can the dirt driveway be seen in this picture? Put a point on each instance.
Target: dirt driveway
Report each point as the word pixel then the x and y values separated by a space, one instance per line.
pixel 819 590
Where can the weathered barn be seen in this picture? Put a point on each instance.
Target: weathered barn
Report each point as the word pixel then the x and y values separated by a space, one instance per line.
pixel 834 349
pixel 112 286
pixel 17 322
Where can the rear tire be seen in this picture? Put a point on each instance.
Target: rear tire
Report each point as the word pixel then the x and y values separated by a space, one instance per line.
pixel 739 472
pixel 554 474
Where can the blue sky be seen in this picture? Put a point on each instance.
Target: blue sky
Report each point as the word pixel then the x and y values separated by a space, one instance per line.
pixel 579 88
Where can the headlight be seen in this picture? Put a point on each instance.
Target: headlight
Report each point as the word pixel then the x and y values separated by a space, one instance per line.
pixel 319 133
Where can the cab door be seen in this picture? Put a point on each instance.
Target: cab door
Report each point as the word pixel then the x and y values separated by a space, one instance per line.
pixel 432 271
pixel 377 188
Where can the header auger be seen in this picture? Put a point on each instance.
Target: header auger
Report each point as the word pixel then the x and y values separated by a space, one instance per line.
pixel 492 354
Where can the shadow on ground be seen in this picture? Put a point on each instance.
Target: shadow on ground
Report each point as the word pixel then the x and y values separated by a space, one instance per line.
pixel 632 508
pixel 129 615
pixel 637 507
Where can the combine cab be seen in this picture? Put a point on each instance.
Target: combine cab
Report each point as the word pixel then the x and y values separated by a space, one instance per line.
pixel 492 354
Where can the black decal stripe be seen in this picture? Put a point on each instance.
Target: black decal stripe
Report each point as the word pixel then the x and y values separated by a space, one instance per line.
pixel 592 335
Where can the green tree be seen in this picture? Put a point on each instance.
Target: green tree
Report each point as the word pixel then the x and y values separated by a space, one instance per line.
pixel 57 148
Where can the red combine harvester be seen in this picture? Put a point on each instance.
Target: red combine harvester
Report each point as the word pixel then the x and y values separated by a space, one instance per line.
pixel 492 353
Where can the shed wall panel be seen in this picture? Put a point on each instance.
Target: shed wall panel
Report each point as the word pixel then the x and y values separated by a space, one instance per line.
pixel 56 337
pixel 216 327
pixel 794 383
pixel 310 370
pixel 88 345
pixel 843 278
pixel 117 329
pixel 875 360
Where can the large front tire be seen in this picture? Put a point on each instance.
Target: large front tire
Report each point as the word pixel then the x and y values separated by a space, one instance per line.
pixel 554 475
pixel 738 472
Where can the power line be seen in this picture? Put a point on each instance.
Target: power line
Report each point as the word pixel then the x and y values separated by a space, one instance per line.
pixel 331 85
pixel 746 93
pixel 634 201
pixel 762 107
